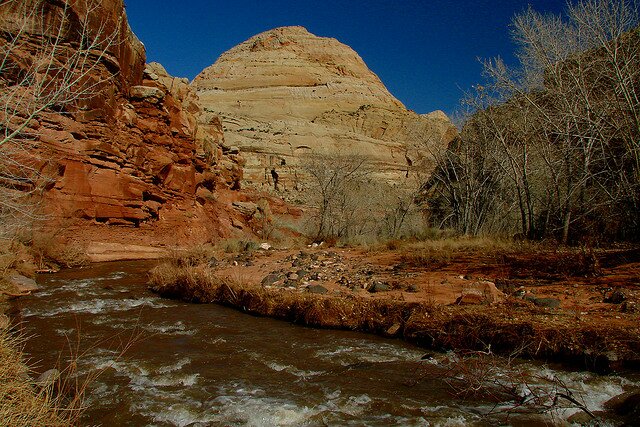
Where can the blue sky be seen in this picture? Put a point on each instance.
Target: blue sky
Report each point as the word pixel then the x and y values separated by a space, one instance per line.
pixel 425 52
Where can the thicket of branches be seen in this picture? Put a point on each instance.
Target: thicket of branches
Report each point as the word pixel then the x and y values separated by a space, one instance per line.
pixel 551 148
pixel 351 205
pixel 49 61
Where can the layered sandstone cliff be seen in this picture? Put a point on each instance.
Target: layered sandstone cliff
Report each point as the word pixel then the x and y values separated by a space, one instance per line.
pixel 287 93
pixel 127 161
pixel 143 159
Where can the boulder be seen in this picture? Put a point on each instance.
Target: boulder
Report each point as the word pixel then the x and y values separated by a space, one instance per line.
pixel 317 289
pixel 544 302
pixel 615 297
pixel 247 209
pixel 626 405
pixel 48 378
pixel 23 285
pixel 378 287
pixel 146 92
pixel 471 298
pixel 270 279
pixel 480 292
pixel 393 329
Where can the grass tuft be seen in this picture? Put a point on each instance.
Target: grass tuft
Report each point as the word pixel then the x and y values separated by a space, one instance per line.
pixel 21 403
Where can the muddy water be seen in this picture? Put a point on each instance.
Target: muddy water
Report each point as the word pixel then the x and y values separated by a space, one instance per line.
pixel 209 365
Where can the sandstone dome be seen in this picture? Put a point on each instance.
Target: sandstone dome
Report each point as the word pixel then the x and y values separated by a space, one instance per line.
pixel 286 93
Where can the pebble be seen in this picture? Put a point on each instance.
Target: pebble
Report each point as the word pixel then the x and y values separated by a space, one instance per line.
pixel 317 289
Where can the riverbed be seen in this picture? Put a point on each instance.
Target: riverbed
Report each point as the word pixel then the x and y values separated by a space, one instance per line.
pixel 199 365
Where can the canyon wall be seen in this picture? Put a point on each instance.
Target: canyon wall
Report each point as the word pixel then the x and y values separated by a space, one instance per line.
pixel 145 158
pixel 286 93
pixel 126 162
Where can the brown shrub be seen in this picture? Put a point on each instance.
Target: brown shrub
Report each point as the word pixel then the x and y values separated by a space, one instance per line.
pixel 191 257
pixel 234 246
pixel 187 282
pixel 47 249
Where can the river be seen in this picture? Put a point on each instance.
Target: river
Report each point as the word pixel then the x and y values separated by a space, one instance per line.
pixel 204 365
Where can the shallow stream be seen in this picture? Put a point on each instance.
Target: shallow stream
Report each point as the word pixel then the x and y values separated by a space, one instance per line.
pixel 209 365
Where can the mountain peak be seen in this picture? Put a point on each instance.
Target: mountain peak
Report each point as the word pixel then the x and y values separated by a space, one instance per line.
pixel 286 93
pixel 294 57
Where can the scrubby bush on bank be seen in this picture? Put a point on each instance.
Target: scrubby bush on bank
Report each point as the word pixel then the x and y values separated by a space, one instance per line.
pixel 512 328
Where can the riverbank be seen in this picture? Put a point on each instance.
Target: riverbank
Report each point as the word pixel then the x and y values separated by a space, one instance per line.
pixel 208 364
pixel 546 304
pixel 22 403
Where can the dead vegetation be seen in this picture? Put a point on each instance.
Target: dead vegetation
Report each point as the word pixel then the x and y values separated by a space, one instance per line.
pixel 515 259
pixel 533 333
pixel 536 332
pixel 199 284
pixel 56 397
pixel 24 404
pixel 49 250
pixel 510 386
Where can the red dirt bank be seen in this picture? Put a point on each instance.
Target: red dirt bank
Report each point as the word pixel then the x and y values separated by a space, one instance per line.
pixel 451 306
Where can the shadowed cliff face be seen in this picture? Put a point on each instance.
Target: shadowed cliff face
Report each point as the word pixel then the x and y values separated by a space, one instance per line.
pixel 128 162
pixel 287 93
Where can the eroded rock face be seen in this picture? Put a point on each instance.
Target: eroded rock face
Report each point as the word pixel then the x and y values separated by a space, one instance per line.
pixel 145 169
pixel 129 163
pixel 286 93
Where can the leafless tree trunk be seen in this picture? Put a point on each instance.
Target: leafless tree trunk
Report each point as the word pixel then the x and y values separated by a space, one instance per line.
pixel 333 181
pixel 560 132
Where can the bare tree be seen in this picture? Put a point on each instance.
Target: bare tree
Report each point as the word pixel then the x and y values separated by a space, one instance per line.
pixel 334 181
pixel 589 68
pixel 351 204
pixel 50 60
pixel 559 132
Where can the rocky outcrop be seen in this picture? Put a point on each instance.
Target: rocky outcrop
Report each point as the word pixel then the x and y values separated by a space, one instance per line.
pixel 286 93
pixel 102 23
pixel 150 169
pixel 129 163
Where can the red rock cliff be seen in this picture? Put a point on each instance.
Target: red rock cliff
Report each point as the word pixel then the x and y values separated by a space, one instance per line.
pixel 128 163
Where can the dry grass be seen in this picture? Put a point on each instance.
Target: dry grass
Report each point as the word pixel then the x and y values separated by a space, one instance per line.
pixel 236 246
pixel 517 259
pixel 193 256
pixel 20 402
pixel 441 252
pixel 48 249
pixel 512 325
pixel 56 400
pixel 453 245
pixel 482 375
pixel 198 284
pixel 192 283
pixel 14 256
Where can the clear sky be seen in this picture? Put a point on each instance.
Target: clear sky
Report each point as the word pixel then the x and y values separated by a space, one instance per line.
pixel 425 52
